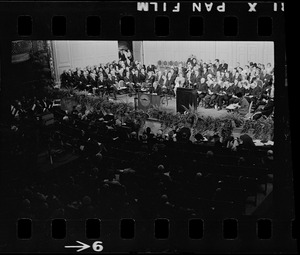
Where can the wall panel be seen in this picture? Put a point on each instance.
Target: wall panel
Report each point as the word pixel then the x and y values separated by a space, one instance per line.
pixel 62 59
pixel 242 54
pixel 137 48
pixel 72 54
pixel 223 51
pixel 231 51
pixel 269 53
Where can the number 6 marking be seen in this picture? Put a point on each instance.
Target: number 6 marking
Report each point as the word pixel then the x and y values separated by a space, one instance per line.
pixel 97 246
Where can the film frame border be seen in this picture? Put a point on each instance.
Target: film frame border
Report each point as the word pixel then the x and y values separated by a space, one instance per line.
pixel 42 12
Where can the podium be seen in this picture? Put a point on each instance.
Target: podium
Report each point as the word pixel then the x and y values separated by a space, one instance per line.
pixel 185 97
pixel 145 100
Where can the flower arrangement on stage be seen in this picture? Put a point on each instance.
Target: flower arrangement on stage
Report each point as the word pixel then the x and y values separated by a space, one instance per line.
pixel 262 128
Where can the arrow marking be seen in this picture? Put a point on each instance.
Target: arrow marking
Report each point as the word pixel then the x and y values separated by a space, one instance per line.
pixel 82 247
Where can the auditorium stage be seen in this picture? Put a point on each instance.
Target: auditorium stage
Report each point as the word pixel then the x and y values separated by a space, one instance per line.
pixel 171 106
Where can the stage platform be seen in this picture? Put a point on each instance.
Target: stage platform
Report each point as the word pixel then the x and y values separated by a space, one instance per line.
pixel 170 106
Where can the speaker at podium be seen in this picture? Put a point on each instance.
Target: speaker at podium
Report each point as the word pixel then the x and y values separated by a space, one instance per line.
pixel 185 97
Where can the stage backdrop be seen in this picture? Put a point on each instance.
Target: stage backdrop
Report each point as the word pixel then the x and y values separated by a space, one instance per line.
pixel 231 52
pixel 72 54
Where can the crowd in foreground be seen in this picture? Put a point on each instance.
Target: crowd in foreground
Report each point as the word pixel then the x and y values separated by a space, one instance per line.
pixel 217 84
pixel 125 171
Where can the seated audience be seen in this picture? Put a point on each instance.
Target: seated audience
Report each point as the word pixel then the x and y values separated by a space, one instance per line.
pixel 217 84
pixel 265 110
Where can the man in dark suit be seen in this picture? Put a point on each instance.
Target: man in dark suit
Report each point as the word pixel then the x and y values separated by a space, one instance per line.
pixel 150 67
pixel 93 82
pixel 223 67
pixel 85 81
pixel 213 90
pixel 216 65
pixel 201 90
pixel 196 79
pixel 118 73
pixel 174 76
pixel 254 92
pixel 64 79
pixel 110 86
pixel 238 88
pixel 106 72
pixel 142 75
pixel 265 110
pixel 135 78
pixel 227 77
pixel 205 73
pixel 78 80
pixel 70 79
pixel 229 89
pixel 114 76
pixel 159 78
pixel 101 84
pixel 150 78
pixel 121 55
pixel 156 88
pixel 192 59
pixel 129 83
pixel 221 95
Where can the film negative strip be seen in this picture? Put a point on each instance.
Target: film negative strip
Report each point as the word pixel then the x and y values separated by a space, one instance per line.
pixel 145 127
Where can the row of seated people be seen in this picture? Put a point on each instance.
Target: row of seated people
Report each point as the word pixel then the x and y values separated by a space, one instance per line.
pixel 216 85
pixel 105 78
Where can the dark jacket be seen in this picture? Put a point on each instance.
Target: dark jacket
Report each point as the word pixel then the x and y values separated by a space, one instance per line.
pixel 202 87
pixel 158 90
